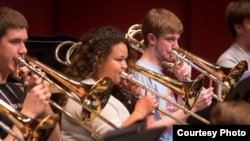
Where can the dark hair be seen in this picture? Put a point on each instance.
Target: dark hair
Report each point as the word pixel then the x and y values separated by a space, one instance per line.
pixel 236 12
pixel 231 112
pixel 96 46
pixel 10 18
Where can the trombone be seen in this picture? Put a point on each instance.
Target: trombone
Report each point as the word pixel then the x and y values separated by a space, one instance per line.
pixel 97 97
pixel 132 32
pixel 9 131
pixel 214 72
pixel 189 91
pixel 189 101
pixel 127 92
pixel 32 130
pixel 227 77
pixel 67 62
pixel 71 49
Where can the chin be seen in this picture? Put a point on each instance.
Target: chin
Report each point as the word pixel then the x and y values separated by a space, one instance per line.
pixel 13 69
pixel 117 81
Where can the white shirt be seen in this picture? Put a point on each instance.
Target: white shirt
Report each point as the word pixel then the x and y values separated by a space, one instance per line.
pixel 114 111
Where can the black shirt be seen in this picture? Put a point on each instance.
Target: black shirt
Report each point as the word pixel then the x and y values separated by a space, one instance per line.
pixel 14 96
pixel 240 92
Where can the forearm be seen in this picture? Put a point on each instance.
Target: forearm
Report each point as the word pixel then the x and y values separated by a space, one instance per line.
pixel 17 134
pixel 55 135
pixel 51 117
pixel 135 116
pixel 167 121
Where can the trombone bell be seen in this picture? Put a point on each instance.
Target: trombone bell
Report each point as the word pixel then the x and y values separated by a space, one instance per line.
pixel 33 130
pixel 98 97
pixel 188 91
pixel 227 77
pixel 64 84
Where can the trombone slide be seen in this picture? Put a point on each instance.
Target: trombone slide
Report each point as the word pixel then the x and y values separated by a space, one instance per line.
pixel 9 131
pixel 125 76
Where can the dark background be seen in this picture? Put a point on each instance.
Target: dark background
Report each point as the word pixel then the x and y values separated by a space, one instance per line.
pixel 205 30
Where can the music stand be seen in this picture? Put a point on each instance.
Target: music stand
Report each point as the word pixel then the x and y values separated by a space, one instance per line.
pixel 134 132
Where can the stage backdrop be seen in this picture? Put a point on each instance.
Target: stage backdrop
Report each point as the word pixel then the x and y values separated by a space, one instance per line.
pixel 205 30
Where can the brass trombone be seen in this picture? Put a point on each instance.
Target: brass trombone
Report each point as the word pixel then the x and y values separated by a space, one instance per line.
pixel 71 49
pixel 130 101
pixel 191 98
pixel 67 62
pixel 94 100
pixel 9 131
pixel 225 76
pixel 32 130
pixel 132 32
pixel 188 91
pixel 188 101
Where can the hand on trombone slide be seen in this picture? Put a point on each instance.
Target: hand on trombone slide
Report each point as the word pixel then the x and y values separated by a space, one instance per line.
pixel 210 88
pixel 146 102
pixel 38 94
pixel 204 100
pixel 183 73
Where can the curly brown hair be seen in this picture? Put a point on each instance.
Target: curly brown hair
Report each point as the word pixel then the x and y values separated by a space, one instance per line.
pixel 95 46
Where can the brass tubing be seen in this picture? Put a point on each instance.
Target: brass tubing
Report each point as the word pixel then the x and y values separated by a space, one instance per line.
pixel 81 123
pixel 9 131
pixel 30 128
pixel 70 84
pixel 214 95
pixel 124 75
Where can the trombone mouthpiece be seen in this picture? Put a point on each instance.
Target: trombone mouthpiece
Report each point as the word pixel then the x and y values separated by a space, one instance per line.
pixel 20 61
pixel 124 75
